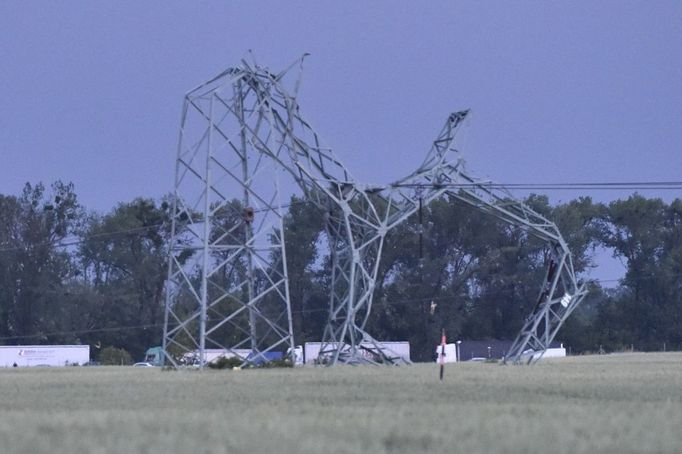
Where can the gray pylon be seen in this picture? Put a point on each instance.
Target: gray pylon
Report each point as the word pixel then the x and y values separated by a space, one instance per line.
pixel 227 283
pixel 259 121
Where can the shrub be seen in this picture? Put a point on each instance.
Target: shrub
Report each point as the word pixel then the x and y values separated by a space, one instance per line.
pixel 225 363
pixel 284 362
pixel 112 356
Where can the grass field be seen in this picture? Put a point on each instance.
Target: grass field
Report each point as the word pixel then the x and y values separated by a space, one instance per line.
pixel 630 403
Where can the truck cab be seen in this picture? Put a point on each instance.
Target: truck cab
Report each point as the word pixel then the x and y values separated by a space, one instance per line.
pixel 154 356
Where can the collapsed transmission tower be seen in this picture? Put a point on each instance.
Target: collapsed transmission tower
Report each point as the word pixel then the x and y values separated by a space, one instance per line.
pixel 228 284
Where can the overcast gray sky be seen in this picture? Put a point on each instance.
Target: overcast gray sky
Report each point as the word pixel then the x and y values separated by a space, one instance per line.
pixel 560 92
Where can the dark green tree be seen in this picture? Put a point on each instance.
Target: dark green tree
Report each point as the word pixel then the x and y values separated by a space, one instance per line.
pixel 646 234
pixel 124 258
pixel 303 229
pixel 35 265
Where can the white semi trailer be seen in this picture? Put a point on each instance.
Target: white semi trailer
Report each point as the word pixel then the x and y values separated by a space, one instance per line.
pixel 43 355
pixel 557 352
pixel 311 350
pixel 450 353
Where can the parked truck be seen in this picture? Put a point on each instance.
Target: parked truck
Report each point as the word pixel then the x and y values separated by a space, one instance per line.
pixel 43 355
pixel 450 355
pixel 555 352
pixel 154 356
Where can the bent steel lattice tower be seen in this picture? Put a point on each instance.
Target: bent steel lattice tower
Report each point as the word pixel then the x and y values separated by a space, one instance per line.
pixel 227 278
pixel 239 280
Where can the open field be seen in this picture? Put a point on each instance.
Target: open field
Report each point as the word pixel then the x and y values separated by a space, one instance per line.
pixel 630 403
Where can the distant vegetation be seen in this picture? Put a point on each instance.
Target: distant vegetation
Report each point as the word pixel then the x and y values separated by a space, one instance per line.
pixel 72 276
pixel 112 356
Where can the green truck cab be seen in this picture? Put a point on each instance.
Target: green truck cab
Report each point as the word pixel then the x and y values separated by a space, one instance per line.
pixel 154 356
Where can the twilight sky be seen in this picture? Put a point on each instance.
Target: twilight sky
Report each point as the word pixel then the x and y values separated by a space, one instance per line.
pixel 559 92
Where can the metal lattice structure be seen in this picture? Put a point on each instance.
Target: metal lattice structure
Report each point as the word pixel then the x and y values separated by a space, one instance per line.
pixel 248 123
pixel 561 292
pixel 227 285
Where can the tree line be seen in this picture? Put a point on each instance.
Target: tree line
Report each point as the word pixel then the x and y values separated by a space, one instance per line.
pixel 68 275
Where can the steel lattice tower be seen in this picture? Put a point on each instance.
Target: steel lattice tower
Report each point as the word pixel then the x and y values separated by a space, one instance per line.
pixel 227 284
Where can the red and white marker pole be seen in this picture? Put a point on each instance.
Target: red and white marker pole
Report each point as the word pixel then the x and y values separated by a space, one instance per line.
pixel 442 355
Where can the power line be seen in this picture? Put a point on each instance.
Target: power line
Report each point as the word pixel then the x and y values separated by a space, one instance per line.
pixel 83 331
pixel 606 185
pixel 76 242
pixel 118 328
pixel 651 185
pixel 303 311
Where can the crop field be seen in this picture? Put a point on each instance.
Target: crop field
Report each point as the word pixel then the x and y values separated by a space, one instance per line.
pixel 629 403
